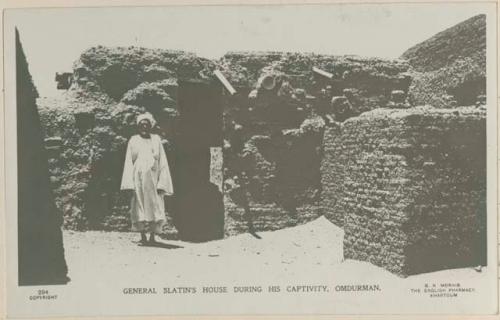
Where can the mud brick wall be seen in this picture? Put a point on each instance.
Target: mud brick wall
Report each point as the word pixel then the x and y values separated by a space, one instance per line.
pixel 94 120
pixel 283 179
pixel 266 217
pixel 274 136
pixel 409 187
pixel 333 174
pixel 449 69
pixel 40 242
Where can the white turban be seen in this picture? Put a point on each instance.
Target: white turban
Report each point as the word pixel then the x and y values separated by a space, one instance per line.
pixel 146 116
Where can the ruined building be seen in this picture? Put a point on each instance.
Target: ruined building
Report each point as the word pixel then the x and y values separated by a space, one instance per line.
pixel 409 187
pixel 263 141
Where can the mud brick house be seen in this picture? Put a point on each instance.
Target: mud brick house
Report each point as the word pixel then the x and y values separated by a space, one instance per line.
pixel 269 131
pixel 409 187
pixel 267 140
pixel 274 125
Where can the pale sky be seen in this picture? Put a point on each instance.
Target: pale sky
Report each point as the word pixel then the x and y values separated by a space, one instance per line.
pixel 54 38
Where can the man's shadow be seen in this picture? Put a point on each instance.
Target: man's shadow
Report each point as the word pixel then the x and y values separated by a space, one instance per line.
pixel 160 245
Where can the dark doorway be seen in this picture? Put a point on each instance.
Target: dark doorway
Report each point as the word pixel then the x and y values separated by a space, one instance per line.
pixel 198 206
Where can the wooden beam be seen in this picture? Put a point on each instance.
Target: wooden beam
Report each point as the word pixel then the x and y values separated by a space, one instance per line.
pixel 224 82
pixel 323 73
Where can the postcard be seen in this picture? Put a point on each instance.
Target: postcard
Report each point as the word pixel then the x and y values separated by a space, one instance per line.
pixel 292 159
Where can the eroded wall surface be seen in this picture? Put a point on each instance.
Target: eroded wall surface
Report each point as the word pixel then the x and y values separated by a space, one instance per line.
pixel 274 128
pixel 271 133
pixel 409 187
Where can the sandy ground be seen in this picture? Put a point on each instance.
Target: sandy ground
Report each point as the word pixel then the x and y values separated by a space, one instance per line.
pixel 105 267
pixel 318 244
pixel 292 253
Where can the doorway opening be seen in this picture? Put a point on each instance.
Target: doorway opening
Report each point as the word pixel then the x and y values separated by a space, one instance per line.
pixel 198 209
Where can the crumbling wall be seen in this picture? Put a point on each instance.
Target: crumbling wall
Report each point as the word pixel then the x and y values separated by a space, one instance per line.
pixel 409 187
pixel 116 70
pixel 283 180
pixel 94 119
pixel 366 82
pixel 465 39
pixel 274 128
pixel 462 83
pixel 84 168
pixel 449 69
pixel 274 135
pixel 333 175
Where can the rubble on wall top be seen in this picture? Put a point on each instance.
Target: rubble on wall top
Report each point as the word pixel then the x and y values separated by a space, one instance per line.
pixel 422 110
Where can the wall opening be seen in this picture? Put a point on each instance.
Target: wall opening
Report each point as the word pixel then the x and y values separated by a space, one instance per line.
pixel 198 207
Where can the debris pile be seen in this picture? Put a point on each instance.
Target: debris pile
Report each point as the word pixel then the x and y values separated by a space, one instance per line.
pixel 274 127
pixel 449 69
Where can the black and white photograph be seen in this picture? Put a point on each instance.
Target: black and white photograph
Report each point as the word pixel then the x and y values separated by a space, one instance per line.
pixel 281 159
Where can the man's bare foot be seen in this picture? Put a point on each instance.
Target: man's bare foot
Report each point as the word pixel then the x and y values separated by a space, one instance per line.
pixel 152 238
pixel 144 239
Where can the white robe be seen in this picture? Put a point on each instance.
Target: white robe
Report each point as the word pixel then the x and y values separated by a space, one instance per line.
pixel 147 174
